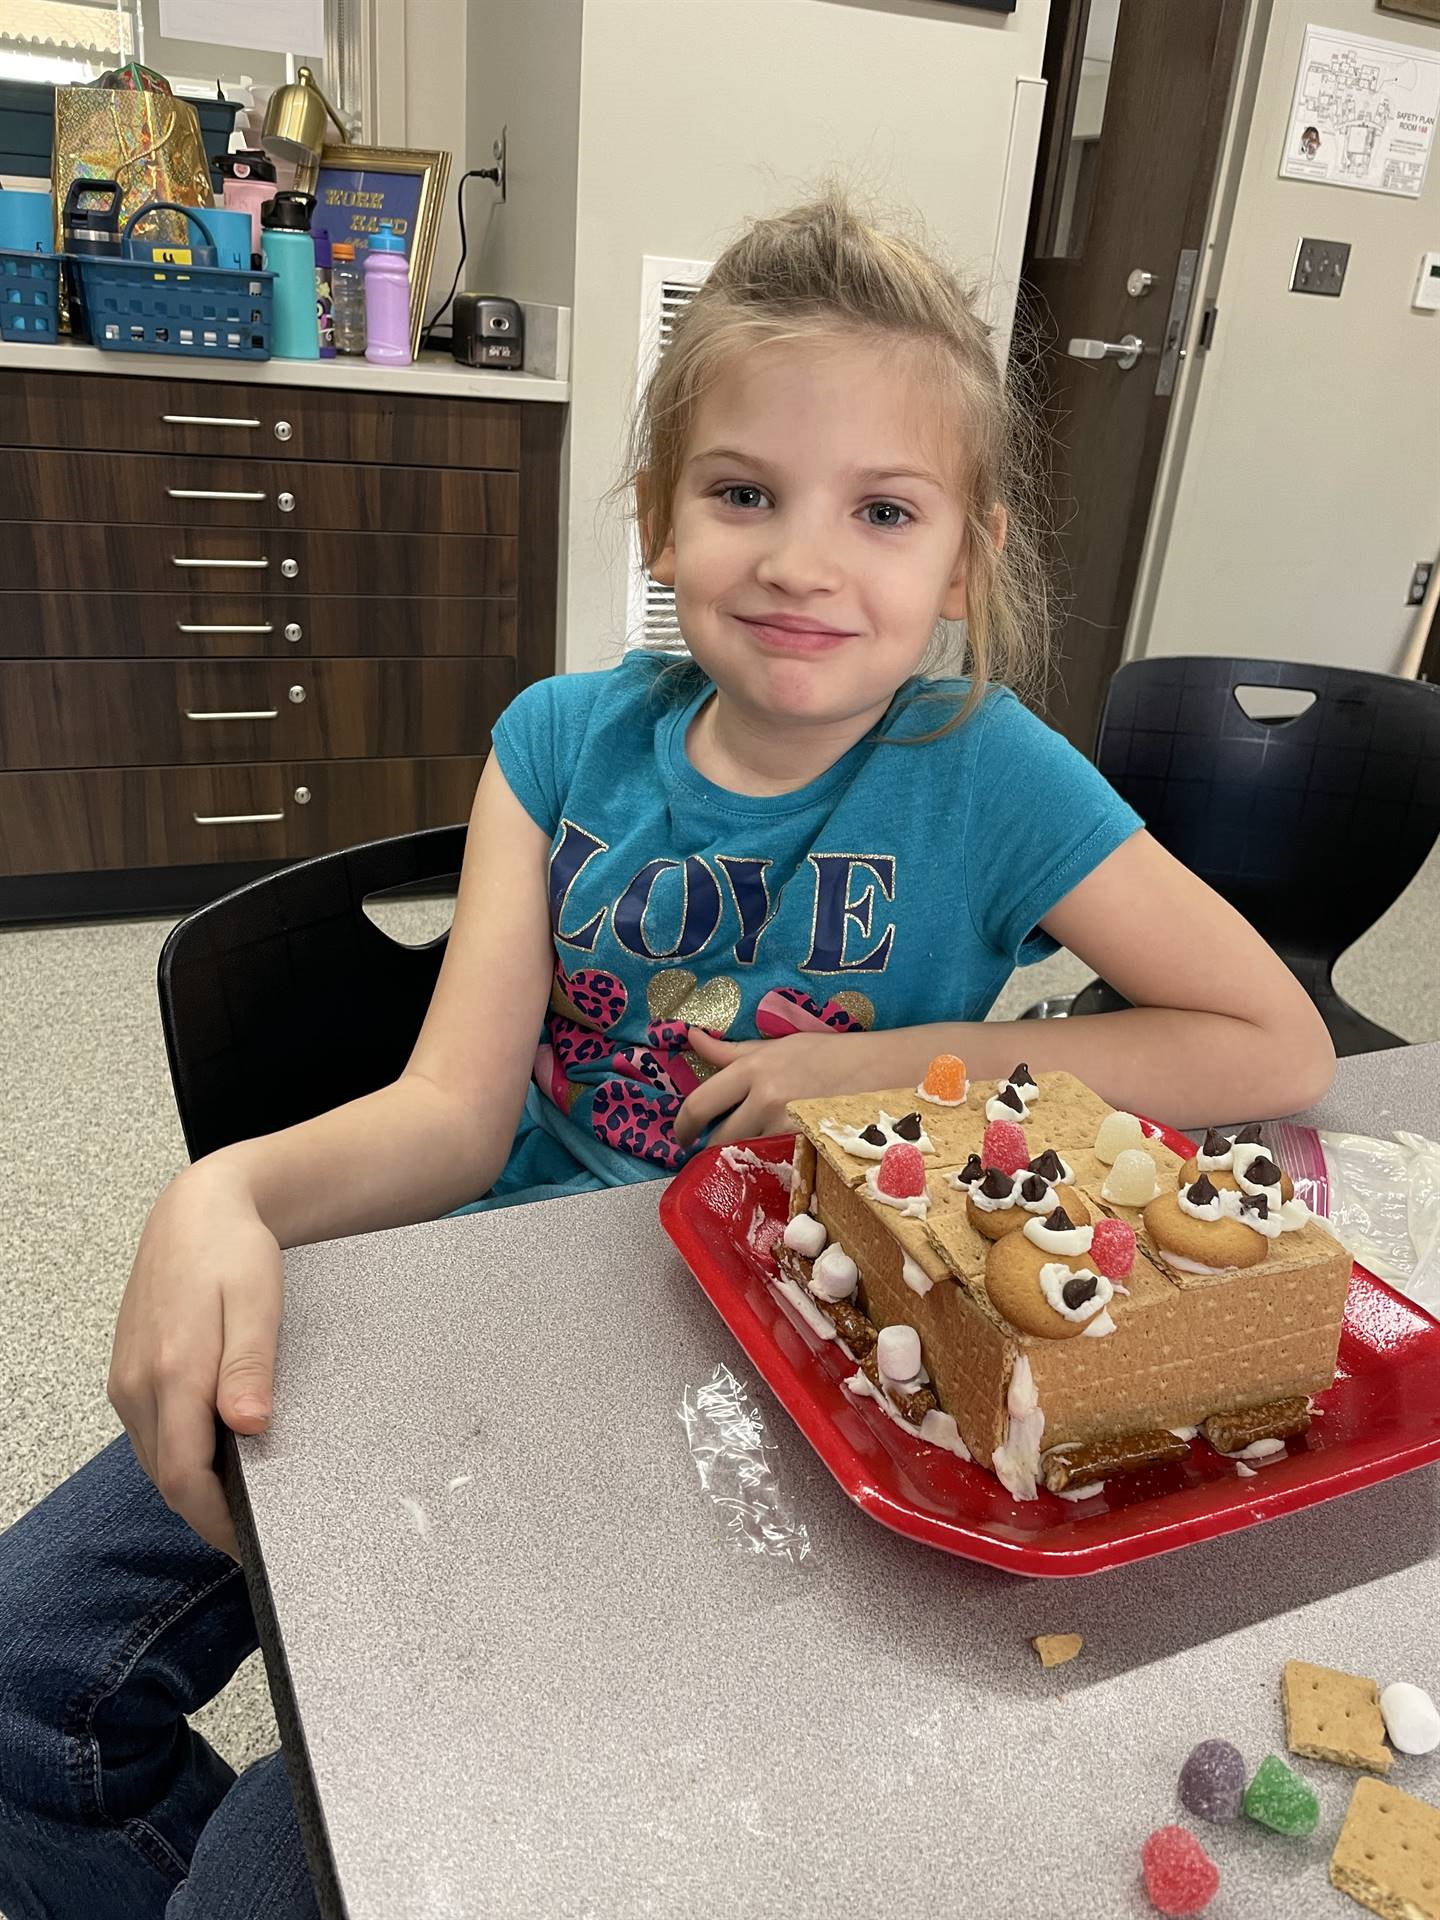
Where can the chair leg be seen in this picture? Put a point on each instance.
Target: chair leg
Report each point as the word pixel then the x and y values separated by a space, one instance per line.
pixel 1057 1007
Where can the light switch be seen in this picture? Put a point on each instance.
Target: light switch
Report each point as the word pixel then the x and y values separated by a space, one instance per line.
pixel 1320 266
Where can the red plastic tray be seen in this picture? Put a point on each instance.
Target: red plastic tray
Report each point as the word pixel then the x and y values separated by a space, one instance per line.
pixel 1381 1417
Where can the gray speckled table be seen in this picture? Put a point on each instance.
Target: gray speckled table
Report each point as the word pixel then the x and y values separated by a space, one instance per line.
pixel 549 1690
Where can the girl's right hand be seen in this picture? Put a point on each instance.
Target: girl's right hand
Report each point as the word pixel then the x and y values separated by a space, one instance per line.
pixel 197 1331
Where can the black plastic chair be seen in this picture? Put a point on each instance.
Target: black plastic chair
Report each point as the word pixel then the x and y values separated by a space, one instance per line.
pixel 1311 826
pixel 284 999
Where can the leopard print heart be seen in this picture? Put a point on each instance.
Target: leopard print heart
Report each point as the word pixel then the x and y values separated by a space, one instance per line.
pixel 790 1010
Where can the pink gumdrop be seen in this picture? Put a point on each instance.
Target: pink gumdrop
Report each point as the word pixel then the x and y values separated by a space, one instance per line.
pixel 901 1173
pixel 1005 1147
pixel 1180 1877
pixel 1112 1248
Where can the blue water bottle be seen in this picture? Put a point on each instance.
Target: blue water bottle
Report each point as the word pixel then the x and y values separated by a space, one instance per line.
pixel 290 256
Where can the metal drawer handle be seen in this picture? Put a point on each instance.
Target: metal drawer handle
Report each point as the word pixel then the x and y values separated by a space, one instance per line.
pixel 265 627
pixel 257 713
pixel 210 493
pixel 204 420
pixel 234 819
pixel 176 561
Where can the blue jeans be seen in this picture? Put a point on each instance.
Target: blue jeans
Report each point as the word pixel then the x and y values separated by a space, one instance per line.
pixel 116 1620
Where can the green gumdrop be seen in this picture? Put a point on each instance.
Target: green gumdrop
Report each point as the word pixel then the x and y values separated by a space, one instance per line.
pixel 1279 1799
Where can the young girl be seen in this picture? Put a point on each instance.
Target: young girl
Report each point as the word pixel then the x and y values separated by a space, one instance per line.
pixel 791 866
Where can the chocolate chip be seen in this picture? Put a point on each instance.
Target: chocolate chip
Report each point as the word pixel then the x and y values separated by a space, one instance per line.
pixel 1049 1166
pixel 1249 1136
pixel 973 1169
pixel 1256 1203
pixel 1202 1191
pixel 1216 1146
pixel 1263 1172
pixel 1022 1076
pixel 1008 1097
pixel 910 1128
pixel 1077 1291
pixel 996 1185
pixel 1032 1187
pixel 1059 1222
pixel 874 1137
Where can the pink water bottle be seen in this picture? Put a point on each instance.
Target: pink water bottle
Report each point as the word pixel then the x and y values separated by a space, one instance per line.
pixel 387 299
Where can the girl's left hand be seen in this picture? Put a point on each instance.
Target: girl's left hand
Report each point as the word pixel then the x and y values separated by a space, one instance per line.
pixel 757 1077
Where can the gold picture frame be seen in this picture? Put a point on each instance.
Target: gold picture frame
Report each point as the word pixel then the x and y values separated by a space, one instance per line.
pixel 358 187
pixel 1412 9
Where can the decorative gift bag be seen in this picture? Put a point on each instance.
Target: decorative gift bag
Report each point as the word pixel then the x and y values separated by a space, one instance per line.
pixel 136 132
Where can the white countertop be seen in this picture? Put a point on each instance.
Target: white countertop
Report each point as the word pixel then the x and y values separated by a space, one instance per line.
pixel 432 373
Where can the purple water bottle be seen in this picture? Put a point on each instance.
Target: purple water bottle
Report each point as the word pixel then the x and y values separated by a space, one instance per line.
pixel 387 299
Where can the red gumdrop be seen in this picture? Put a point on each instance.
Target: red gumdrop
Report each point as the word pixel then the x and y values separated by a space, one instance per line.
pixel 1180 1877
pixel 1005 1147
pixel 1112 1248
pixel 902 1171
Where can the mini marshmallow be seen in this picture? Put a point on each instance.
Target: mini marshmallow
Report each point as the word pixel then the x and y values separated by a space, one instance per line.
pixel 897 1353
pixel 1131 1180
pixel 1117 1131
pixel 1410 1718
pixel 807 1236
pixel 835 1275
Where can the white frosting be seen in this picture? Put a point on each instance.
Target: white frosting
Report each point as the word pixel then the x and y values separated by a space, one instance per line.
pixel 987 1205
pixel 1294 1214
pixel 1203 1210
pixel 1240 1161
pixel 1214 1163
pixel 938 1428
pixel 935 1101
pixel 1066 1240
pixel 1245 1473
pixel 834 1275
pixel 1229 1205
pixel 897 1354
pixel 740 1157
pixel 1056 1276
pixel 1087 1492
pixel 1190 1266
pixel 1016 1462
pixel 914 1276
pixel 806 1235
pixel 805 1307
pixel 913 1206
pixel 1257 1450
pixel 848 1137
pixel 1410 1718
pixel 1184 1433
pixel 963 1185
pixel 998 1109
pixel 1066 1174
pixel 1027 1089
pixel 1097 1329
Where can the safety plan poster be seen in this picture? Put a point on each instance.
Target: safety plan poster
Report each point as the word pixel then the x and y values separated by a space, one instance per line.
pixel 1363 114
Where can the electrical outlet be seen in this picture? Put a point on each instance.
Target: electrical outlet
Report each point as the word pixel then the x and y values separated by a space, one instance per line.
pixel 1320 267
pixel 1419 582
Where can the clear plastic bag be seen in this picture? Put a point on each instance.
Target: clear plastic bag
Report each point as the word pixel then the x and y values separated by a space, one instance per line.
pixel 1381 1197
pixel 725 1431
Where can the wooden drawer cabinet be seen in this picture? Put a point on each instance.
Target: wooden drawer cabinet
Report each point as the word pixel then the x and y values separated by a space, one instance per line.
pixel 226 624
pixel 242 623
pixel 204 816
pixel 256 493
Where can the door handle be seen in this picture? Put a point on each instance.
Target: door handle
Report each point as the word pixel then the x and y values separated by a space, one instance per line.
pixel 1124 352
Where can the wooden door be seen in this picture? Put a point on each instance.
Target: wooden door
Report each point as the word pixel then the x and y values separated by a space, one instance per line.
pixel 1138 92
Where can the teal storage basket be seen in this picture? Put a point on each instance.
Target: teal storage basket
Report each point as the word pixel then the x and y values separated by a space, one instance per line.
pixel 147 306
pixel 29 296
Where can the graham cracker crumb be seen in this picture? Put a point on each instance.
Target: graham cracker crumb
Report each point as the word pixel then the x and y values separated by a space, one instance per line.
pixel 1388 1853
pixel 1055 1649
pixel 1334 1716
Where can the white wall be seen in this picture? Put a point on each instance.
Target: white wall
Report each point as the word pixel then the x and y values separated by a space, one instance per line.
pixel 1307 483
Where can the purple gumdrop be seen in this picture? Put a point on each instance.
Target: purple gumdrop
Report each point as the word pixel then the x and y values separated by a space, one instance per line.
pixel 1212 1781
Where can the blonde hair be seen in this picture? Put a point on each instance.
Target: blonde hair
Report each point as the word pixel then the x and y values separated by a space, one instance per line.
pixel 822 273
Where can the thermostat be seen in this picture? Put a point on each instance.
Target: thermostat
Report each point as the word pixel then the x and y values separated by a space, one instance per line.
pixel 1427 287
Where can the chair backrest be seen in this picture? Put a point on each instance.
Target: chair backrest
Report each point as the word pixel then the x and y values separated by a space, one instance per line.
pixel 284 999
pixel 1311 826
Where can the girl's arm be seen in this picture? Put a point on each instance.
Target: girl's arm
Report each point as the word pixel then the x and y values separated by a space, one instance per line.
pixel 1220 1029
pixel 439 1134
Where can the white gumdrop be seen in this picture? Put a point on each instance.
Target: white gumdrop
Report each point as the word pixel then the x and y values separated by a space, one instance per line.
pixel 897 1352
pixel 1410 1718
pixel 1117 1131
pixel 1131 1181
pixel 804 1235
pixel 835 1275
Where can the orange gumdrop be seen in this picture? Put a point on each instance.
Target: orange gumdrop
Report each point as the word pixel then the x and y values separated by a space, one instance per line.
pixel 945 1078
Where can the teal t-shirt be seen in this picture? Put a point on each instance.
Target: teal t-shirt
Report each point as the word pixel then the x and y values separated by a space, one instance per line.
pixel 900 887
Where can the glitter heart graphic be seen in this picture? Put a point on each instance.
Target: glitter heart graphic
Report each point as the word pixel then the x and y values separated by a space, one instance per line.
pixel 677 995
